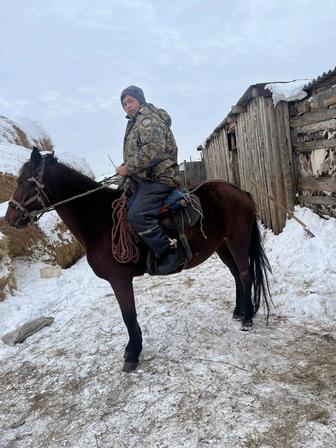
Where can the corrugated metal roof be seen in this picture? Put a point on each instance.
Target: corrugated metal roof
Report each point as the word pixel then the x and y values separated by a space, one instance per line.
pixel 320 79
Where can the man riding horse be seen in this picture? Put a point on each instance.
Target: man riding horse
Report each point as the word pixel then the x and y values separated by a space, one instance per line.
pixel 150 166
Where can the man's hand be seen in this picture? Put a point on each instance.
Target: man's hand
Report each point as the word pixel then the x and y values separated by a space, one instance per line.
pixel 122 170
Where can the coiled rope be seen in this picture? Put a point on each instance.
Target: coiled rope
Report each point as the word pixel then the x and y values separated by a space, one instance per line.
pixel 124 248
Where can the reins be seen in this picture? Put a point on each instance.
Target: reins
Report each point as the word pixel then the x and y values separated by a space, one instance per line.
pixel 104 183
pixel 124 248
pixel 35 215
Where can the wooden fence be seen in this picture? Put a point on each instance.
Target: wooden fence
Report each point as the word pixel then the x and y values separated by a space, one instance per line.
pixel 313 132
pixel 192 173
pixel 253 145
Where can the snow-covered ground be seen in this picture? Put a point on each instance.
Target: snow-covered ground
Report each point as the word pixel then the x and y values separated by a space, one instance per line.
pixel 201 381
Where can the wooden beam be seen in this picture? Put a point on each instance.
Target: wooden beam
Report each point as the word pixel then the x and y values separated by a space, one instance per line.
pixel 312 117
pixel 238 109
pixel 318 200
pixel 316 144
pixel 317 184
pixel 324 98
pixel 303 107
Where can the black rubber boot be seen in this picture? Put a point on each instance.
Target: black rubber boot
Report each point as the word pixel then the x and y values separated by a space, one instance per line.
pixel 171 260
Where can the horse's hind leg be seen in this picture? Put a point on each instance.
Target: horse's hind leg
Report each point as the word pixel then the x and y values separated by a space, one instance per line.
pixel 226 257
pixel 123 289
pixel 241 258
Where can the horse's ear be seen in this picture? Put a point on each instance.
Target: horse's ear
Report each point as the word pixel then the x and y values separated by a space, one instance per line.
pixel 35 157
pixel 50 156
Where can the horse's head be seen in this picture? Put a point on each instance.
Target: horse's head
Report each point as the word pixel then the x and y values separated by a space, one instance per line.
pixel 29 196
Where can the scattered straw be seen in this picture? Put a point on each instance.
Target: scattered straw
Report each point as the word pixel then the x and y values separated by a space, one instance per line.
pixel 7 278
pixel 7 186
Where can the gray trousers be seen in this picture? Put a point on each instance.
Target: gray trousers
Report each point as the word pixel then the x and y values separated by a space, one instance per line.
pixel 143 212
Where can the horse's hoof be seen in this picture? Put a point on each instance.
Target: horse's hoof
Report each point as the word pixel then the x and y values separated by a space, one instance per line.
pixel 247 326
pixel 130 366
pixel 237 317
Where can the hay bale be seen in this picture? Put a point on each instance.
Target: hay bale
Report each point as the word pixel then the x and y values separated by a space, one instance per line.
pixel 7 186
pixel 7 277
pixel 66 249
pixel 32 244
pixel 24 132
pixel 28 244
pixel 52 244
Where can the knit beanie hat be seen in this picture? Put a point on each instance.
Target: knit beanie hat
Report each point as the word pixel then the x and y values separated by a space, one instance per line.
pixel 134 91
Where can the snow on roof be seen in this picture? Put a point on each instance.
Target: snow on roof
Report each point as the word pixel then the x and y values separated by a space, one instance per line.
pixel 287 91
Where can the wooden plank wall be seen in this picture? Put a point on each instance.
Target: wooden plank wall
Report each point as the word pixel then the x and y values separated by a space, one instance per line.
pixel 193 173
pixel 264 155
pixel 313 132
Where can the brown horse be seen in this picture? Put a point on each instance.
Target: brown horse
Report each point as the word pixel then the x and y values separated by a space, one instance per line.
pixel 229 225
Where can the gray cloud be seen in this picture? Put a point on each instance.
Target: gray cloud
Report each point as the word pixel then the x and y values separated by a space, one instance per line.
pixel 65 62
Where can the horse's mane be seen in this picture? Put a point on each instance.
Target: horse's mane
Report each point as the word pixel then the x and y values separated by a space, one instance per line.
pixel 74 173
pixel 77 177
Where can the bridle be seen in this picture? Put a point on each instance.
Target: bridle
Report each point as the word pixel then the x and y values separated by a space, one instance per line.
pixel 40 195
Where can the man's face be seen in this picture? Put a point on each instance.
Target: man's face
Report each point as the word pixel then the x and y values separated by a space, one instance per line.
pixel 130 105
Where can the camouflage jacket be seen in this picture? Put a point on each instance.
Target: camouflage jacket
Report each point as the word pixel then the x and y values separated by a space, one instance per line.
pixel 150 150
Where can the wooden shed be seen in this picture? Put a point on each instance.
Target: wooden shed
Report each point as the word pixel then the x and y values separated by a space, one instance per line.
pixel 313 133
pixel 252 146
pixel 192 173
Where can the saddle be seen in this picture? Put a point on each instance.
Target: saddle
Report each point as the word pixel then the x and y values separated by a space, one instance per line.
pixel 180 205
pixel 180 210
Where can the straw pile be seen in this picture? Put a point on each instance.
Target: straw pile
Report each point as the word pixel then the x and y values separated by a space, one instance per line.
pixel 56 246
pixel 7 278
pixel 69 250
pixel 7 186
pixel 25 133
pixel 50 242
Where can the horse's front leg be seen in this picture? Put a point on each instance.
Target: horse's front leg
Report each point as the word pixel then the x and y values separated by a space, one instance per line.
pixel 123 289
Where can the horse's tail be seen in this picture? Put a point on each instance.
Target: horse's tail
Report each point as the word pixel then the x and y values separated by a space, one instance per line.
pixel 259 265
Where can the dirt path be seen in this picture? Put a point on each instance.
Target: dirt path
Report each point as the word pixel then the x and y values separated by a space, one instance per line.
pixel 201 383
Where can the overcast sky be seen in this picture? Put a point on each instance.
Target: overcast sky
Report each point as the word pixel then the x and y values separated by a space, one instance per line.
pixel 65 62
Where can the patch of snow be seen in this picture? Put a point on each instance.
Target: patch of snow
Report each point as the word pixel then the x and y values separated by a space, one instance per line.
pixel 3 209
pixel 4 270
pixel 12 157
pixel 304 273
pixel 287 91
pixel 32 129
pixel 48 223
